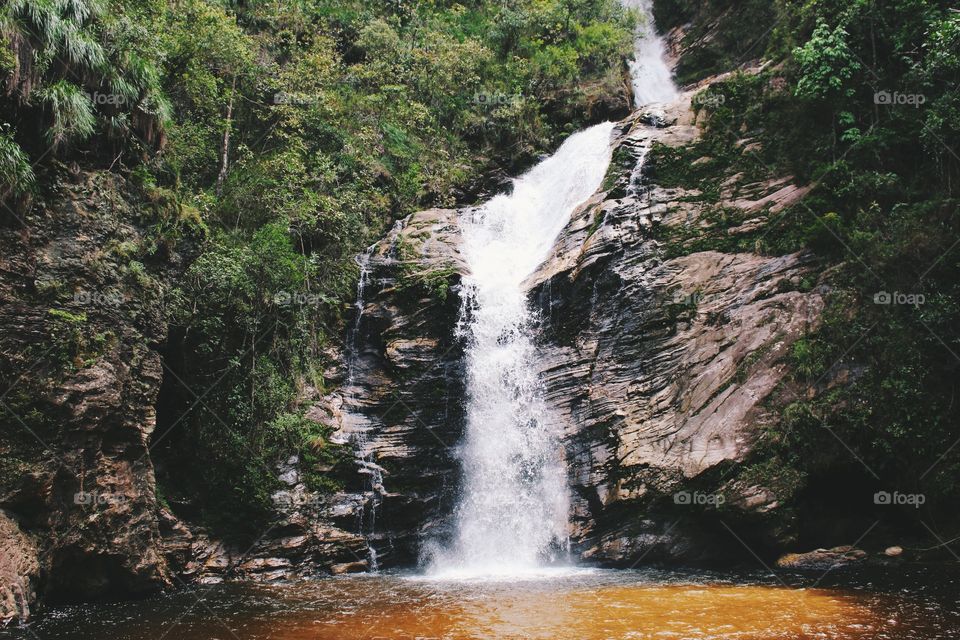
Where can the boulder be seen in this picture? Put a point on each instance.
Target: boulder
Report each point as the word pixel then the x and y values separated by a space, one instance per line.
pixel 823 559
pixel 19 571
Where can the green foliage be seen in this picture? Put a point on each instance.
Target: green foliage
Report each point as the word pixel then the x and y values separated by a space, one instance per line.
pixel 68 317
pixel 415 281
pixel 826 64
pixel 621 165
pixel 73 117
pixel 723 34
pixel 881 216
pixel 72 345
pixel 774 474
pixel 77 67
pixel 342 116
pixel 251 326
pixel 16 174
pixel 309 440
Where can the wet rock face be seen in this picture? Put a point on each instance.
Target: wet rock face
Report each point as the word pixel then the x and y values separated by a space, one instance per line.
pixel 823 559
pixel 658 369
pixel 107 538
pixel 82 311
pixel 19 571
pixel 401 399
pixel 83 282
pixel 303 542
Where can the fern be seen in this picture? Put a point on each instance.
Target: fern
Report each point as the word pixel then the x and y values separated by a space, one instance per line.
pixel 72 110
pixel 16 174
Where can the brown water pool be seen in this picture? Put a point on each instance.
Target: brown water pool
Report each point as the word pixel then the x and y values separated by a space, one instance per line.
pixel 572 604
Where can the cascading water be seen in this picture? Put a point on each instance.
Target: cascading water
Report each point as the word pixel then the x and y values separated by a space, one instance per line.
pixel 513 513
pixel 513 510
pixel 652 79
pixel 363 263
pixel 367 517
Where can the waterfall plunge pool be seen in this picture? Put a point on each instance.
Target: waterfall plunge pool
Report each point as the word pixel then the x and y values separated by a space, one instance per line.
pixel 556 605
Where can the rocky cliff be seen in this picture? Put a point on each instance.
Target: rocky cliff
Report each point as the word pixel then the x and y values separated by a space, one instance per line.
pixel 658 363
pixel 400 402
pixel 85 281
pixel 82 315
pixel 658 367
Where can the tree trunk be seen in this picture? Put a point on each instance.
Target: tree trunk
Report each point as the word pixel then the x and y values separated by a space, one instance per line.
pixel 225 147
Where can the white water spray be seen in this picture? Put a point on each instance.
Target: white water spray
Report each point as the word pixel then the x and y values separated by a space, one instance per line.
pixel 513 512
pixel 652 79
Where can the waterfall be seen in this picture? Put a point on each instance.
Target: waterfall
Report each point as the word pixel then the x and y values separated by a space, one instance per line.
pixel 652 79
pixel 514 504
pixel 514 507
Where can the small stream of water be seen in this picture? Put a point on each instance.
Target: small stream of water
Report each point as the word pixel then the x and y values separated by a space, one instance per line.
pixel 367 515
pixel 652 78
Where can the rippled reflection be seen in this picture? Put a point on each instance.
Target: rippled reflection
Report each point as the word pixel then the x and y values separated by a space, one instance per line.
pixel 580 605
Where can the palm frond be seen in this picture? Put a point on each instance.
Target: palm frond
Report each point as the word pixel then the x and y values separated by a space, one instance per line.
pixel 118 126
pixel 80 48
pixel 72 111
pixel 16 174
pixel 80 10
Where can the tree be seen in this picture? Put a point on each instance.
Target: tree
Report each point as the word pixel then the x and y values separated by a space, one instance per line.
pixel 76 68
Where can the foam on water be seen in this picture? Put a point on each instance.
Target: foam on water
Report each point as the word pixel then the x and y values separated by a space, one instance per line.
pixel 471 575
